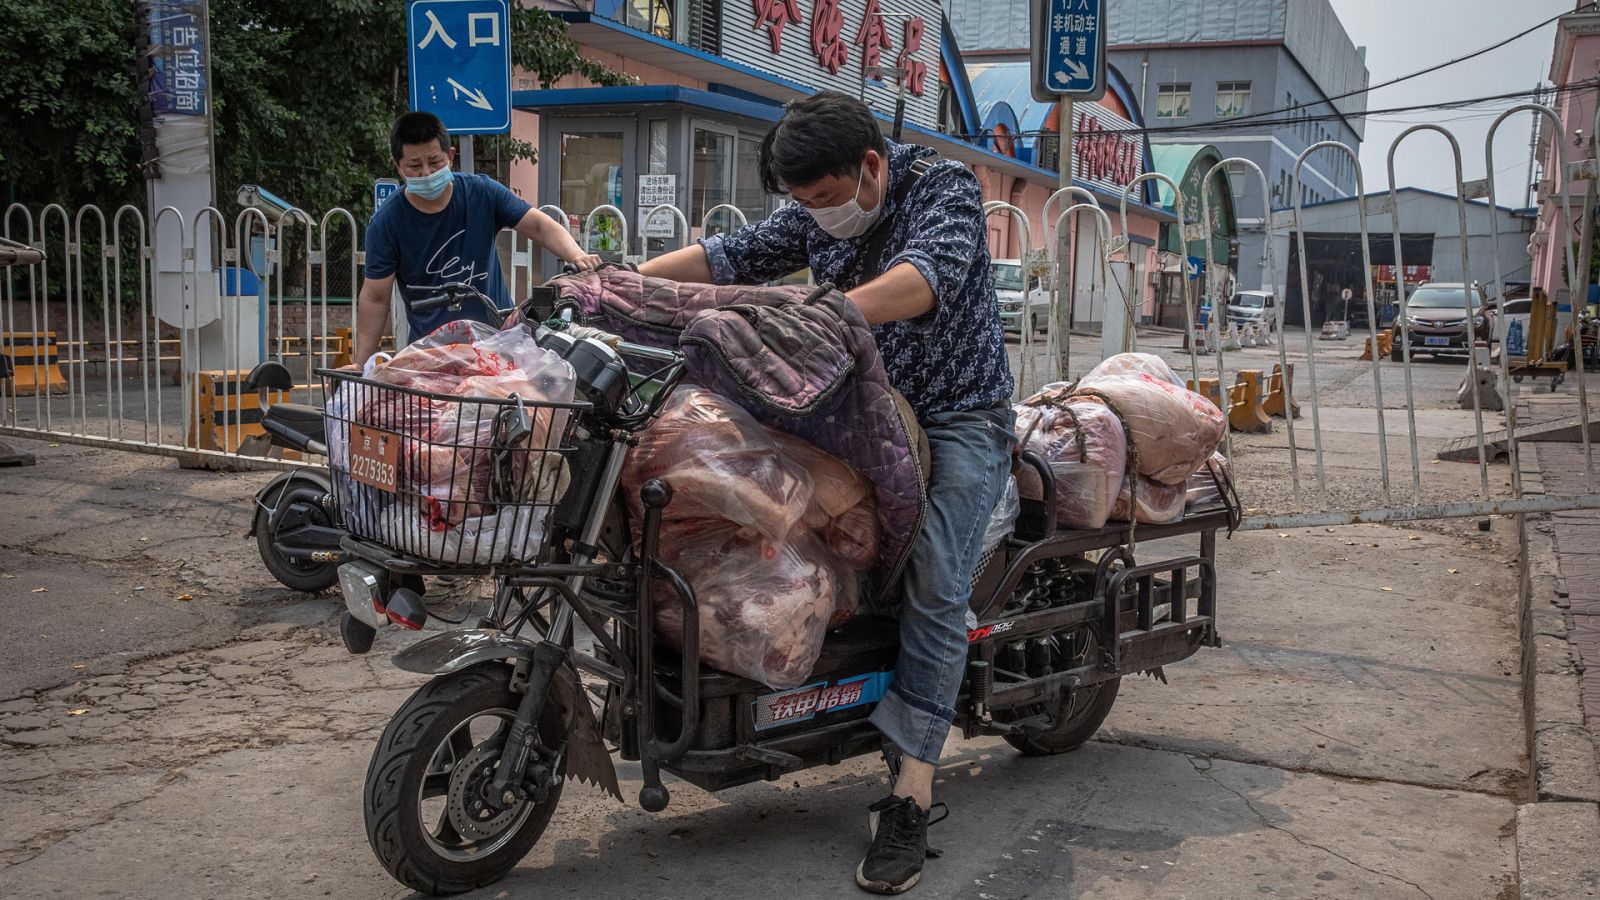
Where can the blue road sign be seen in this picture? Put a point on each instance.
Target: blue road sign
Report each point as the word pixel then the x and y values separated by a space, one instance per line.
pixel 382 190
pixel 460 62
pixel 1069 49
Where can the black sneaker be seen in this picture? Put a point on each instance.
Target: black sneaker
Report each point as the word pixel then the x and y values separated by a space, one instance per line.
pixel 899 846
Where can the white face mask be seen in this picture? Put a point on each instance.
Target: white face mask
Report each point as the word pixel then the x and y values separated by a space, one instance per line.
pixel 848 219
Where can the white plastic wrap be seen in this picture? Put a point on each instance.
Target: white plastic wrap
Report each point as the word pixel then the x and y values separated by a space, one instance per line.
pixel 444 506
pixel 1174 429
pixel 1153 503
pixel 1201 488
pixel 1003 518
pixel 1132 365
pixel 769 531
pixel 1088 476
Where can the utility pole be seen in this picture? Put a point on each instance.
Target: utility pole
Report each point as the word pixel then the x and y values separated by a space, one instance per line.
pixel 1533 149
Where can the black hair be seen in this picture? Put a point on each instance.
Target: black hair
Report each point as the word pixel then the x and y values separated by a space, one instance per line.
pixel 825 134
pixel 417 128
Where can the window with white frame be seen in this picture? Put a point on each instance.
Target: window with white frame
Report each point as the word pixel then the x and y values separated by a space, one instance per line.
pixel 1172 101
pixel 1233 98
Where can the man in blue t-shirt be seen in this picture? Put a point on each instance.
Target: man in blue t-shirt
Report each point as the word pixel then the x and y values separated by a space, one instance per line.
pixel 442 228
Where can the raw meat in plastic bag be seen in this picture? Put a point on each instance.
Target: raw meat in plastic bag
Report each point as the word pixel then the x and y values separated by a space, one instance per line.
pixel 1154 504
pixel 1174 429
pixel 1134 365
pixel 764 604
pixel 1087 477
pixel 721 463
pixel 463 499
pixel 843 509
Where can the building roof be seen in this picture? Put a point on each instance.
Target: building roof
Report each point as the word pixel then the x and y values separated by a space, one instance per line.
pixel 1372 195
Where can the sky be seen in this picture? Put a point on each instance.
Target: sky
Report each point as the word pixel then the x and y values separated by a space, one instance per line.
pixel 1402 36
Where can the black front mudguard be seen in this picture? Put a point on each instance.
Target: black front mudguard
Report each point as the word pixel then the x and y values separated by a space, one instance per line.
pixel 587 757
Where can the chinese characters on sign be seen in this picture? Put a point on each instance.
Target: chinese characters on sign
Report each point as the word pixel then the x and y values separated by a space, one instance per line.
pixel 460 63
pixel 177 38
pixel 778 13
pixel 828 45
pixel 1107 150
pixel 827 42
pixel 1068 49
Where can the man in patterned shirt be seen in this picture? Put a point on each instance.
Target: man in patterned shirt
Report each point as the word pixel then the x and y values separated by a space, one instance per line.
pixel 906 240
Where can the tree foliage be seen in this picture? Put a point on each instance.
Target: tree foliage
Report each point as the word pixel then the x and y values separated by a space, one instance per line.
pixel 303 92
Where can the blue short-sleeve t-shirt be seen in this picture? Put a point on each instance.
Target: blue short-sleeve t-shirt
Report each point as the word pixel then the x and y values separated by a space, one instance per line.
pixel 424 250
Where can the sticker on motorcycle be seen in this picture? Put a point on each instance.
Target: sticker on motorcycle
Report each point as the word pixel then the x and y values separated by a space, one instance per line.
pixel 988 631
pixel 802 703
pixel 374 457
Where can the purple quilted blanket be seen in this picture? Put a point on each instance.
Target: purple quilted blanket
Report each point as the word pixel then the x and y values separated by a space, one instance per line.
pixel 799 359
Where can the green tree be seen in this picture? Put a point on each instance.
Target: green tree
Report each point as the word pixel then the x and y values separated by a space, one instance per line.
pixel 303 92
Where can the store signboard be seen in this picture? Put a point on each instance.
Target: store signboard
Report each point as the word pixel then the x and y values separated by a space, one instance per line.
pixel 1107 149
pixel 829 44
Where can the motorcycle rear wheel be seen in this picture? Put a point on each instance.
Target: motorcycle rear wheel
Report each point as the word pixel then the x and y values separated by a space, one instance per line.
pixel 433 755
pixel 1073 719
pixel 295 574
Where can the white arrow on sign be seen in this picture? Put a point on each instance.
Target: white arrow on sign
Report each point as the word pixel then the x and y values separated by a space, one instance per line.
pixel 1076 71
pixel 474 98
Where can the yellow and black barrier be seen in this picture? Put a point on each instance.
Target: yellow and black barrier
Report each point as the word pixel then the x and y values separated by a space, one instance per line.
pixel 32 362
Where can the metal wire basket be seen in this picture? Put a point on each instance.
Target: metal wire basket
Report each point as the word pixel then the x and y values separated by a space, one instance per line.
pixel 468 483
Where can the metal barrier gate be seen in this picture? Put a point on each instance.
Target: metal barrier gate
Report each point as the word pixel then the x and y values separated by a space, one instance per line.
pixel 121 338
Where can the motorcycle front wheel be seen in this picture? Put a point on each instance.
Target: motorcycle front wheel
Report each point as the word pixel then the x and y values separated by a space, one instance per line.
pixel 429 815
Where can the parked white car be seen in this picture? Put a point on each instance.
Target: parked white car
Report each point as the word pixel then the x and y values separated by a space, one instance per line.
pixel 1252 307
pixel 1008 288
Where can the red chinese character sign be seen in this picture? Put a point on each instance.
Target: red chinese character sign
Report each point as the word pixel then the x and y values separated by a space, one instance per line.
pixel 775 14
pixel 915 69
pixel 827 40
pixel 872 37
pixel 1107 148
pixel 889 35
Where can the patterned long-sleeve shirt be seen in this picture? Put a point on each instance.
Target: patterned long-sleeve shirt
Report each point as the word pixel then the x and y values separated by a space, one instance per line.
pixel 952 357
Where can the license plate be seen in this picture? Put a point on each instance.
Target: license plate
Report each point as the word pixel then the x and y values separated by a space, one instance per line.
pixel 374 457
pixel 1436 341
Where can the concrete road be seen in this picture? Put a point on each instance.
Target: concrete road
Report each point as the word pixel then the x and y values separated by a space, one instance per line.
pixel 1357 735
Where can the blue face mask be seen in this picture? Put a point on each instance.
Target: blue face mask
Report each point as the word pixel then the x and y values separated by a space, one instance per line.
pixel 432 186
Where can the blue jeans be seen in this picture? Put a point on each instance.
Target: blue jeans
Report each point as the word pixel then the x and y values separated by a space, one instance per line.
pixel 970 460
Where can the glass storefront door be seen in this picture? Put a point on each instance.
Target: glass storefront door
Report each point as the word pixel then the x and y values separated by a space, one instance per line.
pixel 711 175
pixel 592 175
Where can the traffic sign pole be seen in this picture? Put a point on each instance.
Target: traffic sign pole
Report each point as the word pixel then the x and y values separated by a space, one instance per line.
pixel 464 165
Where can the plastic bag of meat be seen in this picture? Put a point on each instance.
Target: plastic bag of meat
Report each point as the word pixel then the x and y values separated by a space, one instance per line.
pixel 722 465
pixel 1132 364
pixel 843 509
pixel 1173 429
pixel 1201 488
pixel 463 497
pixel 764 604
pixel 1086 450
pixel 1153 503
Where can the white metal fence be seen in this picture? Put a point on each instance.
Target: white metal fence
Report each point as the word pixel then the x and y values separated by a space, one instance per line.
pixel 133 312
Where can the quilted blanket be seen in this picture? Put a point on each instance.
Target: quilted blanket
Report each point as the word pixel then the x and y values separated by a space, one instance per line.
pixel 800 359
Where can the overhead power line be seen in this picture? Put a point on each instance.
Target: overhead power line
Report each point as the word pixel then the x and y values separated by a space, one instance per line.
pixel 1233 124
pixel 1407 77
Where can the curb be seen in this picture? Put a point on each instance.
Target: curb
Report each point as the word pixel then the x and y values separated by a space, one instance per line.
pixel 1558 825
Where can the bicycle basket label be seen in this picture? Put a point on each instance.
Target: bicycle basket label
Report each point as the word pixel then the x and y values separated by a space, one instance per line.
pixel 374 457
pixel 800 704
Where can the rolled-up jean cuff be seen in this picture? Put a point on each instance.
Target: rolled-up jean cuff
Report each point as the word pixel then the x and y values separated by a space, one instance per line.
pixel 916 731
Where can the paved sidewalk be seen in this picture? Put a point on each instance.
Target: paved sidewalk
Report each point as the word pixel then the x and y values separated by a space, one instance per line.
pixel 1577 540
